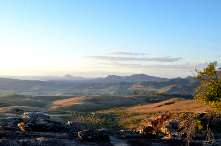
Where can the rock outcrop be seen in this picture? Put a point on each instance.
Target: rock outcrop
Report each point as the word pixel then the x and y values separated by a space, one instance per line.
pixel 36 116
pixel 100 135
pixel 38 129
pixel 161 121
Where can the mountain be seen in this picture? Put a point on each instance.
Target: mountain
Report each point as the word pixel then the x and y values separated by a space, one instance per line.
pixel 45 78
pixel 81 80
pixel 178 85
pixel 133 78
pixel 111 85
pixel 70 77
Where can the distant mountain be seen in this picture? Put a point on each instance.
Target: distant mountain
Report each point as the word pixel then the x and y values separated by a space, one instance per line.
pixel 46 78
pixel 81 80
pixel 178 85
pixel 133 78
pixel 115 85
pixel 70 77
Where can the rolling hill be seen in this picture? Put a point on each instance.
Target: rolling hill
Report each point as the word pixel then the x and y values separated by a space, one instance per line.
pixel 181 86
pixel 33 87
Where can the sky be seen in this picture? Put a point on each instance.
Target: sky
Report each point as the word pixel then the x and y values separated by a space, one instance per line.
pixel 96 38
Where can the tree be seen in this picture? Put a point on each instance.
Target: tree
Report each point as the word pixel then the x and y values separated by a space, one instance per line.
pixel 144 94
pixel 209 91
pixel 135 92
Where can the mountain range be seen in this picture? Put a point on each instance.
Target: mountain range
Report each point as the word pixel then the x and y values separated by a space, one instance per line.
pixel 110 85
pixel 70 78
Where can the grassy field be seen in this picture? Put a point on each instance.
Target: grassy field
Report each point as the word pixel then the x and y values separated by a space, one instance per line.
pixel 100 111
pixel 137 117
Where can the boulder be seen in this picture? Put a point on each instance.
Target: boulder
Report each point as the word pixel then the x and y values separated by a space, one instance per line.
pixel 161 121
pixel 12 127
pixel 42 127
pixel 149 130
pixel 10 120
pixel 171 128
pixel 36 116
pixel 100 135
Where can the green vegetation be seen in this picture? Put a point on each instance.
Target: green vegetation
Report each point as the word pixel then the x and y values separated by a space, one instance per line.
pixel 135 92
pixel 98 120
pixel 93 120
pixel 14 95
pixel 209 90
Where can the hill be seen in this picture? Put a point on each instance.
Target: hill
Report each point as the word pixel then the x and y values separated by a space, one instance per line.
pixel 83 88
pixel 181 86
pixel 133 78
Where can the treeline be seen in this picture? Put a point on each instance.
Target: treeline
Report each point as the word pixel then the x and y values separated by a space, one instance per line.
pixel 156 94
pixel 14 95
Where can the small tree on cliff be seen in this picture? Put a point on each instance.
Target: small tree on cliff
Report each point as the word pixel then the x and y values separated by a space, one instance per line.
pixel 209 91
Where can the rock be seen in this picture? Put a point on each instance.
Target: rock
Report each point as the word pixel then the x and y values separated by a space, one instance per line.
pixel 23 126
pixel 12 127
pixel 36 116
pixel 149 130
pixel 41 141
pixel 100 135
pixel 171 128
pixel 10 120
pixel 161 121
pixel 42 127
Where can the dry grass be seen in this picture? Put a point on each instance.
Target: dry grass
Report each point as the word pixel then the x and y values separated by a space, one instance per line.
pixel 145 113
pixel 174 104
pixel 22 108
pixel 68 102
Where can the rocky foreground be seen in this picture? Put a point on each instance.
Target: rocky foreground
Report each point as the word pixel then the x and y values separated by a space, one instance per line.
pixel 36 129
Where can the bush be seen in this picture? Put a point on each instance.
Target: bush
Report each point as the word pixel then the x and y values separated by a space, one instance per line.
pixel 209 90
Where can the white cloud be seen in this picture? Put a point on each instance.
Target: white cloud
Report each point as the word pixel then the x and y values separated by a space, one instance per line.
pixel 164 56
pixel 122 53
pixel 159 59
pixel 186 66
pixel 212 48
pixel 196 64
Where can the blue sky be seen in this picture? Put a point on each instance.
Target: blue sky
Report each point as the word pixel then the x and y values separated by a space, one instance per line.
pixel 95 38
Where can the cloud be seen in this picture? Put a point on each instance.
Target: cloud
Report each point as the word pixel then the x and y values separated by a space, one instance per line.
pixel 196 64
pixel 186 66
pixel 164 56
pixel 212 48
pixel 123 53
pixel 194 37
pixel 159 59
pixel 218 56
